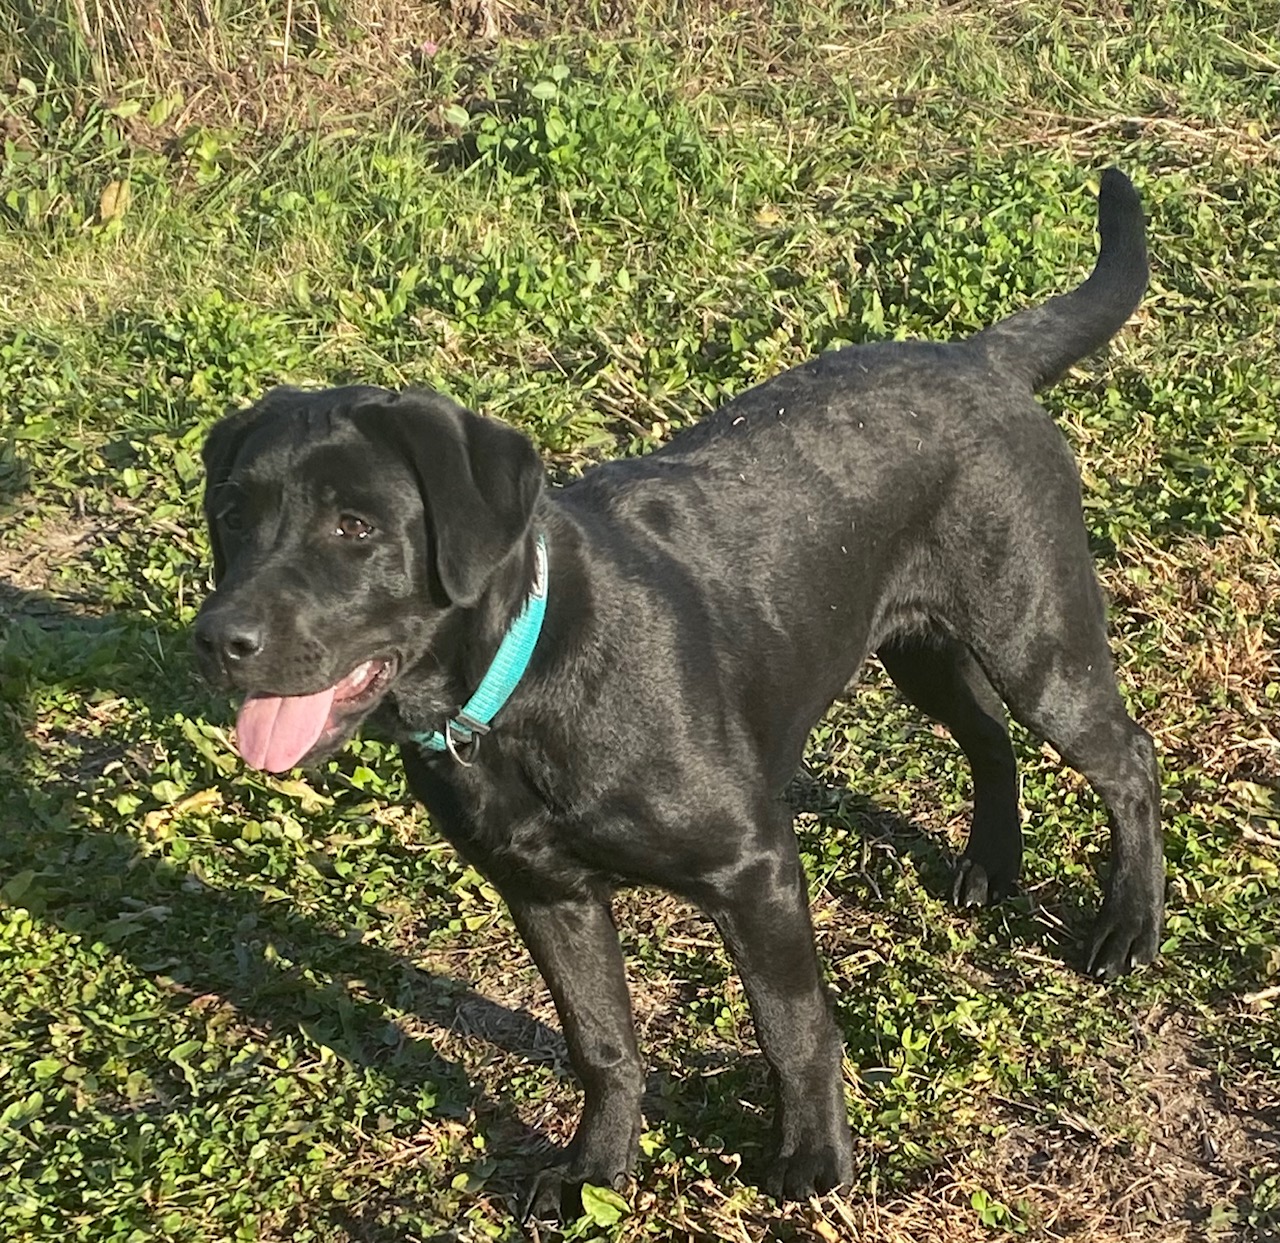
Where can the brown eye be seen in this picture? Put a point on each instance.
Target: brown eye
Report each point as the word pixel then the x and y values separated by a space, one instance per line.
pixel 351 527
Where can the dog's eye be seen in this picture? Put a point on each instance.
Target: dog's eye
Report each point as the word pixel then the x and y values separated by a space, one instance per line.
pixel 229 517
pixel 351 527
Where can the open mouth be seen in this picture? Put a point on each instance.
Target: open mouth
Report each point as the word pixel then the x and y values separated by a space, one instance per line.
pixel 276 732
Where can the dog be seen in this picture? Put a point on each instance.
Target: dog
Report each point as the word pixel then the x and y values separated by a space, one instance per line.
pixel 611 684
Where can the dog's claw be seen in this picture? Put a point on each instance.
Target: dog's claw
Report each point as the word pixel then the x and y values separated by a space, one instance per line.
pixel 1121 942
pixel 970 887
pixel 808 1173
pixel 812 1173
pixel 554 1193
pixel 812 1159
pixel 977 885
pixel 551 1197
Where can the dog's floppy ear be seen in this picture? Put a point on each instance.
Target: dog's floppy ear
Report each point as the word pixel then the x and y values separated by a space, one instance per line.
pixel 221 448
pixel 480 481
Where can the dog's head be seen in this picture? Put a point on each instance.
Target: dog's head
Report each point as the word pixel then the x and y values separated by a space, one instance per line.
pixel 348 526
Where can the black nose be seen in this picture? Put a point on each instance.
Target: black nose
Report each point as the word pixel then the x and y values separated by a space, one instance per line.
pixel 229 638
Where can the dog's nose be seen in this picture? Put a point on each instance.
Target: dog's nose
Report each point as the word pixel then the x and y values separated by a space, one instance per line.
pixel 229 638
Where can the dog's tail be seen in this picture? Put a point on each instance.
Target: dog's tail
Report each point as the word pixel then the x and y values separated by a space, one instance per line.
pixel 1040 343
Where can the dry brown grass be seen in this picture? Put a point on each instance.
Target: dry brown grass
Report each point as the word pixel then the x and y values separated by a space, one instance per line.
pixel 1214 606
pixel 288 64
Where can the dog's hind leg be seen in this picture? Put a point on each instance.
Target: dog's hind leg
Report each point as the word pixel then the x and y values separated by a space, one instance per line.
pixel 1058 681
pixel 1079 711
pixel 940 676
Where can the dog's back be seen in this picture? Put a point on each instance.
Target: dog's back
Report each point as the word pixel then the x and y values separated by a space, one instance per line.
pixel 873 491
pixel 874 395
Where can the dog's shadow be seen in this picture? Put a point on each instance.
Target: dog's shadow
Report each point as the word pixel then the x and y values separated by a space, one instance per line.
pixel 214 945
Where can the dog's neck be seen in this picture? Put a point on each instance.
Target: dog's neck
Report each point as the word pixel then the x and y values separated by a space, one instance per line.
pixel 464 729
pixel 462 652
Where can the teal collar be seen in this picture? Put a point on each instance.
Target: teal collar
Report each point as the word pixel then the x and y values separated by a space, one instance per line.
pixel 463 731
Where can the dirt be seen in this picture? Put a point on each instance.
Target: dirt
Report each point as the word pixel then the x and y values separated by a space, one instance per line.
pixel 33 578
pixel 1174 1152
pixel 1187 1147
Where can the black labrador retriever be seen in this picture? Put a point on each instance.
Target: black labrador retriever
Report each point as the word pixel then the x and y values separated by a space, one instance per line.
pixel 704 605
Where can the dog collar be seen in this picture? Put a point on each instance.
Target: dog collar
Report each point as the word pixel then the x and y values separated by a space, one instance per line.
pixel 462 732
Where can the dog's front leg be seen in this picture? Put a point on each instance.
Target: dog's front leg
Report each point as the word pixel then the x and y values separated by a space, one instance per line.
pixel 763 915
pixel 575 944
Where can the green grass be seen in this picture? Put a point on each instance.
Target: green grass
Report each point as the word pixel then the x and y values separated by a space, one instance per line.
pixel 241 1008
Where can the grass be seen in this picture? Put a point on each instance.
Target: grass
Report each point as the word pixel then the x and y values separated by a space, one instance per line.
pixel 241 1008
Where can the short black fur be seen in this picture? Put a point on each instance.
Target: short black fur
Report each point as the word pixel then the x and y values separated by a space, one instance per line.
pixel 708 603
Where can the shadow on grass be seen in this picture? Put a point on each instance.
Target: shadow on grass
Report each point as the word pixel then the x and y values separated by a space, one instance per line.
pixel 200 942
pixel 280 970
pixel 1052 916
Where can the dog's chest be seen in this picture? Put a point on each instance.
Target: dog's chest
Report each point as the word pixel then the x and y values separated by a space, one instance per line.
pixel 499 822
pixel 570 836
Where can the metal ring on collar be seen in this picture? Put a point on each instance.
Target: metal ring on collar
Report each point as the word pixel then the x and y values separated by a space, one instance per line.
pixel 456 747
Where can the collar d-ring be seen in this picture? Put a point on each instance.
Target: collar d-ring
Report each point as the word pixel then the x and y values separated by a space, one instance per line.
pixel 462 747
pixel 461 734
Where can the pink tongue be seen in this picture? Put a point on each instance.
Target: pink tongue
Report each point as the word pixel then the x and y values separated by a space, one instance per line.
pixel 274 732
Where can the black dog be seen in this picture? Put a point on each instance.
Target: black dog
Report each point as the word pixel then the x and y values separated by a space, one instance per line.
pixel 704 606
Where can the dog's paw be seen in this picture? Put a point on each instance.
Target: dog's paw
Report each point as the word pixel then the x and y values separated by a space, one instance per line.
pixel 554 1194
pixel 551 1196
pixel 1126 935
pixel 977 884
pixel 811 1170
